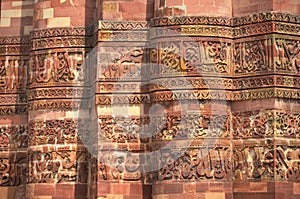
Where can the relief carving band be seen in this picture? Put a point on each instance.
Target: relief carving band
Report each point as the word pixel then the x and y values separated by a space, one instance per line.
pixel 57 67
pixel 57 166
pixel 126 64
pixel 126 130
pixel 56 131
pixel 252 56
pixel 266 162
pixel 266 124
pixel 120 166
pixel 199 164
pixel 190 56
pixel 13 137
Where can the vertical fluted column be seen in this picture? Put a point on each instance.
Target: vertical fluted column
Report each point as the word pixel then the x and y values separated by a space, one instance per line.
pixel 264 109
pixel 190 75
pixel 60 41
pixel 122 98
pixel 15 25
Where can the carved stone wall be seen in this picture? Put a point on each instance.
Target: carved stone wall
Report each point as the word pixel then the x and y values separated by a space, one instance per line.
pixel 149 99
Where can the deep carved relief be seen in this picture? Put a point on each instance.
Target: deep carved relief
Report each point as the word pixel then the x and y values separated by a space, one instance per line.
pixel 278 162
pixel 287 57
pixel 56 67
pixel 13 137
pixel 125 64
pixel 13 169
pixel 251 57
pixel 57 166
pixel 13 72
pixel 126 130
pixel 197 57
pixel 266 124
pixel 200 164
pixel 119 165
pixel 56 131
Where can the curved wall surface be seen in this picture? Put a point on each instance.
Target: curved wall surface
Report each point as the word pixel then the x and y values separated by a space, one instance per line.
pixel 149 99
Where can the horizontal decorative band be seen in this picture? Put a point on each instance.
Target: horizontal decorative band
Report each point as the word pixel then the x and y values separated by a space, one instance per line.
pixel 12 110
pixel 122 25
pixel 58 32
pixel 14 40
pixel 223 21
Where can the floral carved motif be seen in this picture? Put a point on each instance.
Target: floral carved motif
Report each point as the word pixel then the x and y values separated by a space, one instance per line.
pixel 56 131
pixel 125 130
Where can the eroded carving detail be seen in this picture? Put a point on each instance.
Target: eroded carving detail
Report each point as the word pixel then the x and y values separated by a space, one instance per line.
pixel 126 64
pixel 119 165
pixel 13 137
pixel 287 55
pixel 57 166
pixel 278 162
pixel 199 164
pixel 13 72
pixel 13 169
pixel 251 57
pixel 57 67
pixel 57 131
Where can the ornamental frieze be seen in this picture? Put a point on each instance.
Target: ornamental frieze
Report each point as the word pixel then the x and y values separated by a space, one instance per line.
pixel 118 36
pixel 109 99
pixel 120 166
pixel 14 45
pixel 57 32
pixel 190 20
pixel 197 164
pixel 59 131
pixel 65 104
pixel 12 110
pixel 122 25
pixel 266 124
pixel 267 161
pixel 121 63
pixel 252 56
pixel 266 16
pixel 67 92
pixel 59 42
pixel 133 129
pixel 190 56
